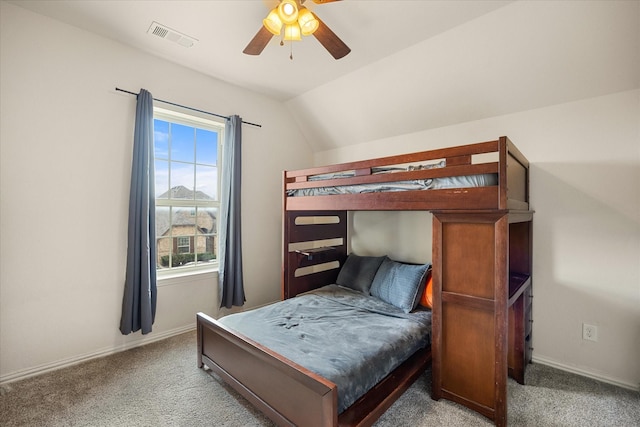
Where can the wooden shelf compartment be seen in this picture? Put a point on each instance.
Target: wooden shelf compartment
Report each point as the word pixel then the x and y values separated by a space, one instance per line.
pixel 518 283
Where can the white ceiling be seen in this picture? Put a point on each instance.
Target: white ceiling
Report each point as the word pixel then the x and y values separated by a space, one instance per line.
pixel 414 65
pixel 372 29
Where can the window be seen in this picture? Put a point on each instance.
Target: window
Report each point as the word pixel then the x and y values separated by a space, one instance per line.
pixel 184 244
pixel 187 171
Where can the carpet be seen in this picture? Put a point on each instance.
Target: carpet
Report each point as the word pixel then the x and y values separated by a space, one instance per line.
pixel 159 384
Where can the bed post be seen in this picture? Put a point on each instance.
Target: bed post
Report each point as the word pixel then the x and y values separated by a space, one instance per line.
pixel 502 173
pixel 199 338
pixel 285 236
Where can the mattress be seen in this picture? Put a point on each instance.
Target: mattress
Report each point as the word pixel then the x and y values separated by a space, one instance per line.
pixel 466 181
pixel 347 337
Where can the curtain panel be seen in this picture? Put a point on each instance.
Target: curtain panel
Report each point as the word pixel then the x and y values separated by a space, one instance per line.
pixel 139 300
pixel 230 278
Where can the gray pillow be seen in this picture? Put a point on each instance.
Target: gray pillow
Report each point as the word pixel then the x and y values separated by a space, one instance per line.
pixel 358 272
pixel 400 284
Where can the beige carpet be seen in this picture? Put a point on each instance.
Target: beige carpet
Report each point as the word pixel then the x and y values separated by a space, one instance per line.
pixel 160 385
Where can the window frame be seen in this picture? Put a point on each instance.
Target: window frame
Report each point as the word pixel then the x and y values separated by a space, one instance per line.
pixel 201 121
pixel 180 243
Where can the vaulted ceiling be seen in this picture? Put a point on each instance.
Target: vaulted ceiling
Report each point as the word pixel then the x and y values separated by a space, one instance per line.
pixel 413 65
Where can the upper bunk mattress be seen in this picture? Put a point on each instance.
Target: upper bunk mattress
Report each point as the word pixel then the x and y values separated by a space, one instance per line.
pixel 347 337
pixel 467 181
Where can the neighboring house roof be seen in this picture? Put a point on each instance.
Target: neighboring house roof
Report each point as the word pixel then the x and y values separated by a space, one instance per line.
pixel 182 216
pixel 182 192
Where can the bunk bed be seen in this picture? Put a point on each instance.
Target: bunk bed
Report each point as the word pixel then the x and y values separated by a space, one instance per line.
pixel 482 264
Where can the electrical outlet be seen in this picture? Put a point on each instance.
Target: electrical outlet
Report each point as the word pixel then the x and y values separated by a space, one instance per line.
pixel 589 332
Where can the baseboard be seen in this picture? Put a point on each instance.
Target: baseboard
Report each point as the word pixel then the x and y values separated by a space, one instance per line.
pixel 585 373
pixel 148 339
pixel 47 367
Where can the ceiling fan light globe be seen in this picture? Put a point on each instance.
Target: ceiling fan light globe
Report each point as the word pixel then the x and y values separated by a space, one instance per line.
pixel 273 23
pixel 288 11
pixel 292 32
pixel 308 23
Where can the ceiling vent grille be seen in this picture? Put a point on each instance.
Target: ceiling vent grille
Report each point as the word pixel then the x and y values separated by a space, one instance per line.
pixel 167 33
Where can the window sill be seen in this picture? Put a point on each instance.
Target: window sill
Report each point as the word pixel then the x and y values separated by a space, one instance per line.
pixel 186 276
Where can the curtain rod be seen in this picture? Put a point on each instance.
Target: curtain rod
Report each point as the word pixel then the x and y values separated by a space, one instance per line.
pixel 189 108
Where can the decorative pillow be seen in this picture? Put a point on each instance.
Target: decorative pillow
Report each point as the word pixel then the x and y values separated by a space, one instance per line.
pixel 427 296
pixel 400 284
pixel 358 272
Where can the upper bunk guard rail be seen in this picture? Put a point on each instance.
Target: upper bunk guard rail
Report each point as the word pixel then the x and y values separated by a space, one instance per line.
pixel 511 193
pixel 422 156
pixel 370 178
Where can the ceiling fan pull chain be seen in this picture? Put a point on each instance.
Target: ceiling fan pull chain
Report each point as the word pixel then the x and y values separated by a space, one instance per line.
pixel 291 52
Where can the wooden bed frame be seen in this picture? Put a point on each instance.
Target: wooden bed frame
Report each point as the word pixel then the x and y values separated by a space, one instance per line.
pixel 492 229
pixel 511 166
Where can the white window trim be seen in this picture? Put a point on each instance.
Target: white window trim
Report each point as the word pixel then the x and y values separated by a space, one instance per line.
pixel 168 276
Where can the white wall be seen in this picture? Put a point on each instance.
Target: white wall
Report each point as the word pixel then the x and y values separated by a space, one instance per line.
pixel 66 149
pixel 585 181
pixel 525 55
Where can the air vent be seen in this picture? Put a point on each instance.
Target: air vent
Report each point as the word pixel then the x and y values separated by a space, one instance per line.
pixel 167 33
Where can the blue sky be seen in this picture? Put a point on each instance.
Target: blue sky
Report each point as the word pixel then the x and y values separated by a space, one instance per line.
pixel 177 147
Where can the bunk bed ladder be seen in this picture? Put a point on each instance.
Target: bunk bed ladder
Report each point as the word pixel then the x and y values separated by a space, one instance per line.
pixel 315 249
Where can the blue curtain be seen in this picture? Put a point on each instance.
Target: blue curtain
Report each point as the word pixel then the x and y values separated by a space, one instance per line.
pixel 139 300
pixel 230 280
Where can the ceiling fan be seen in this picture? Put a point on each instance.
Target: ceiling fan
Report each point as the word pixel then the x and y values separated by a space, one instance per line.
pixel 292 19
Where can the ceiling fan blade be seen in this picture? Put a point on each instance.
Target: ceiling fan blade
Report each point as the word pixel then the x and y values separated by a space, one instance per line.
pixel 258 42
pixel 327 38
pixel 324 1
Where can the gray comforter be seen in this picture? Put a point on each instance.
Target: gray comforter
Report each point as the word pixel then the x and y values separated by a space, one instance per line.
pixel 349 338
